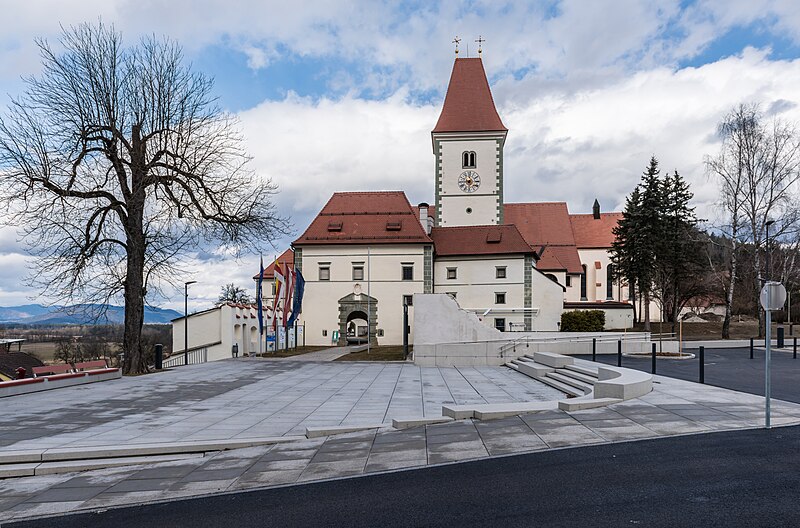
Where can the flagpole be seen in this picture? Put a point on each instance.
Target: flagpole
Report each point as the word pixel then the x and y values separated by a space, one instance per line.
pixel 369 312
pixel 259 297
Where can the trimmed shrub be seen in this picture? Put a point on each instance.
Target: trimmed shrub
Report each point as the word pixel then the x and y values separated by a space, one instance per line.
pixel 583 321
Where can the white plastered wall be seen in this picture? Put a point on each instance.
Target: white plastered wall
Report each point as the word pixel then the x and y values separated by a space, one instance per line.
pixel 384 269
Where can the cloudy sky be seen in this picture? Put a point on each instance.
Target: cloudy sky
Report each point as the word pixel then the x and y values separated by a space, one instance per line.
pixel 336 96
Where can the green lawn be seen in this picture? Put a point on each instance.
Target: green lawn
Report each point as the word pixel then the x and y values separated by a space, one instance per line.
pixel 379 353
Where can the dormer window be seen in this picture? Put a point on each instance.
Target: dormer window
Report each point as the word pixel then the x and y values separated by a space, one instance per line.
pixel 468 159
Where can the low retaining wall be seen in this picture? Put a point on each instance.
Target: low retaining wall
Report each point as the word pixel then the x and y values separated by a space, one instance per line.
pixel 28 385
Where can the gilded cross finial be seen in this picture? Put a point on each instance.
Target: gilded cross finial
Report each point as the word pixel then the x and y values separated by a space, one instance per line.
pixel 456 41
pixel 480 41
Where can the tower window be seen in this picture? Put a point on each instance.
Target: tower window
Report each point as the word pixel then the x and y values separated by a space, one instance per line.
pixel 408 272
pixel 452 273
pixel 468 159
pixel 500 298
pixel 358 273
pixel 500 272
pixel 324 272
pixel 500 323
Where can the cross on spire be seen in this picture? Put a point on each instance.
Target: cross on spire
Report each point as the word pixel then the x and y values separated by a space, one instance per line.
pixel 480 41
pixel 456 41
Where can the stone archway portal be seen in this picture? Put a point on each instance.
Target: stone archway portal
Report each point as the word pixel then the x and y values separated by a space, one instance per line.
pixel 358 306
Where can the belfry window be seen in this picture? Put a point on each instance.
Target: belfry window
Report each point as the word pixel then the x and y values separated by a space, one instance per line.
pixel 468 159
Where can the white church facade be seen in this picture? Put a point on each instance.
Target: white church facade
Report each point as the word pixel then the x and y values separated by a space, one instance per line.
pixel 516 265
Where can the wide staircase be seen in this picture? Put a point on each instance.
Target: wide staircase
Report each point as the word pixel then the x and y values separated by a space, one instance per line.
pixel 552 370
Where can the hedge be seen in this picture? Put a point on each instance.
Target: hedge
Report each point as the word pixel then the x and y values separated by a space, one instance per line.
pixel 583 321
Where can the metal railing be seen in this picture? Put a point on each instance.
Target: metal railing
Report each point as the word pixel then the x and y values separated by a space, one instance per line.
pixel 598 338
pixel 199 355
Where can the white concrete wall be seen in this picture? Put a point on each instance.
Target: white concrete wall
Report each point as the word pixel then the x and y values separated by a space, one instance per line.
pixel 384 269
pixel 446 335
pixel 484 201
pixel 546 302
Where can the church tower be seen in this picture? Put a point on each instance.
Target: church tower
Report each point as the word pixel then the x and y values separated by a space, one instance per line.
pixel 468 145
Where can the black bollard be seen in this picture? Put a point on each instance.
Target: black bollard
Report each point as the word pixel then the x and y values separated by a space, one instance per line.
pixel 702 364
pixel 781 342
pixel 619 353
pixel 751 348
pixel 594 349
pixel 654 358
pixel 159 357
pixel 794 353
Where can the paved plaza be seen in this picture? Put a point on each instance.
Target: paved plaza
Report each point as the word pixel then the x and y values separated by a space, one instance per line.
pixel 270 397
pixel 247 398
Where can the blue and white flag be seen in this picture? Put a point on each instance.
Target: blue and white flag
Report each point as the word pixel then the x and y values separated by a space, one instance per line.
pixel 297 302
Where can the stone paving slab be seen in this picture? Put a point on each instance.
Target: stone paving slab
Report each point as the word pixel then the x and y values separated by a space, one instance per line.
pixel 674 407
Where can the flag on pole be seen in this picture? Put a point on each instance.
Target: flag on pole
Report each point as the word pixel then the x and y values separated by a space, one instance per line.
pixel 280 285
pixel 287 295
pixel 259 298
pixel 297 304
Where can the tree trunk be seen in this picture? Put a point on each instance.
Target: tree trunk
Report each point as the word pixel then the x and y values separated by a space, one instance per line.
pixel 135 360
pixel 646 311
pixel 726 324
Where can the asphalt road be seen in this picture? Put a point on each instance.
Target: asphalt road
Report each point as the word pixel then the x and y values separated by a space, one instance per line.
pixel 730 368
pixel 742 478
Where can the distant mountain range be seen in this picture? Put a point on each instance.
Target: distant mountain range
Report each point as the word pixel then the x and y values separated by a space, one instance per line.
pixel 79 314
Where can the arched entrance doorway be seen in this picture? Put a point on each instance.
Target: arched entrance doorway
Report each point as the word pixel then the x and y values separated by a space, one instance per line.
pixel 358 319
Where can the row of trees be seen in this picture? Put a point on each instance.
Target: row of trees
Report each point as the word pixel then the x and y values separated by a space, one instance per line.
pixel 663 254
pixel 659 250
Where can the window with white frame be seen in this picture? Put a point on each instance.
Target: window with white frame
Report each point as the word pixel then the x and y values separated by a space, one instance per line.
pixel 500 272
pixel 452 273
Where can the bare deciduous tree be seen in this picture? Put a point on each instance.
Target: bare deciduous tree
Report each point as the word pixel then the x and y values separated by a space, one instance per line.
pixel 758 169
pixel 115 161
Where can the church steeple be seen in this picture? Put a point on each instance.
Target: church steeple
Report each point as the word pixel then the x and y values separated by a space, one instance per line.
pixel 468 105
pixel 468 143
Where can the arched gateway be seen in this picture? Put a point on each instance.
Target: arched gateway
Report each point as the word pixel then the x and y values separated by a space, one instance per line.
pixel 354 309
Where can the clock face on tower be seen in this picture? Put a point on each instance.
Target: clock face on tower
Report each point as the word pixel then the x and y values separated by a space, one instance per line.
pixel 469 181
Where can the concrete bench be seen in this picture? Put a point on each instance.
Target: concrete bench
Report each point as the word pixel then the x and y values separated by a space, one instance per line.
pixel 622 383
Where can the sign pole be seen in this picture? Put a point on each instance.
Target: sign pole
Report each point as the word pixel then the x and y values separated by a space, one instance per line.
pixel 767 365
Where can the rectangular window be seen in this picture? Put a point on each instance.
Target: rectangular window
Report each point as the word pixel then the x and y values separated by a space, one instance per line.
pixel 358 273
pixel 408 300
pixel 500 272
pixel 569 281
pixel 273 288
pixel 324 272
pixel 500 323
pixel 408 272
pixel 324 333
pixel 452 273
pixel 500 298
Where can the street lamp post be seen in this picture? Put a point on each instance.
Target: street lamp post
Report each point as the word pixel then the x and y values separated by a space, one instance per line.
pixel 186 321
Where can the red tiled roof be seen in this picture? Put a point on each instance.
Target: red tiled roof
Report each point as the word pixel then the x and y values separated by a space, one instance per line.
pixel 479 240
pixel 468 105
pixel 384 217
pixel 287 257
pixel 591 233
pixel 547 224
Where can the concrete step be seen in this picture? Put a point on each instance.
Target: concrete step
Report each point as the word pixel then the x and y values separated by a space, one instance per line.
pixel 563 387
pixel 512 365
pixel 583 370
pixel 581 386
pixel 534 370
pixel 579 404
pixel 589 380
